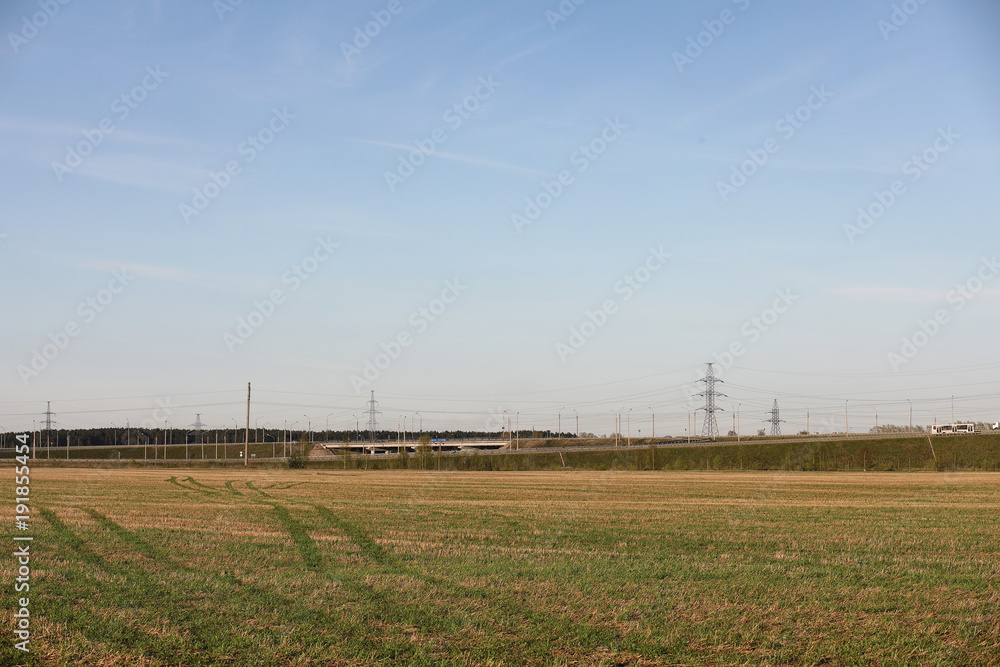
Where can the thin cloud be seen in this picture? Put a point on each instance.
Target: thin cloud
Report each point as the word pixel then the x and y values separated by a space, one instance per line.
pixel 455 157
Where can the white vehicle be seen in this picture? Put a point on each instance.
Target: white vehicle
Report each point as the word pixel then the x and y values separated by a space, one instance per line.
pixel 953 429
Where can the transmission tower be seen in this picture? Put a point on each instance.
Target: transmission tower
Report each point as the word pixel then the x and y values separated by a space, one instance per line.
pixel 775 420
pixel 372 421
pixel 710 428
pixel 48 422
pixel 197 426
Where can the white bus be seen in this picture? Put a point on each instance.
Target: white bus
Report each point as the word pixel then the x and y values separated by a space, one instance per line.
pixel 953 429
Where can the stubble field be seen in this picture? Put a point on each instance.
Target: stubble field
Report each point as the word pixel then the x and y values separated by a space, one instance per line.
pixel 206 567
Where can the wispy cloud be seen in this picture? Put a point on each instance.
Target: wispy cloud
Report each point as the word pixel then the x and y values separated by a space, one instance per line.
pixel 171 274
pixel 455 157
pixel 143 172
pixel 889 294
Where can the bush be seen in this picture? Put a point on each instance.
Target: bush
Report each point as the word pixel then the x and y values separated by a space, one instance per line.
pixel 299 453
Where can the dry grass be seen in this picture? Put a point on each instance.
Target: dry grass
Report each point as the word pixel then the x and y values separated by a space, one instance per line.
pixel 154 567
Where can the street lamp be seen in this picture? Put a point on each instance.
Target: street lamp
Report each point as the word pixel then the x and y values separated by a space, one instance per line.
pixel 421 418
pixel 687 431
pixel 876 420
pixel 577 422
pixel 738 406
pixel 506 426
pixel 911 414
pixel 559 423
pixel 628 418
pixel 654 421
pixel 236 435
pixel 309 427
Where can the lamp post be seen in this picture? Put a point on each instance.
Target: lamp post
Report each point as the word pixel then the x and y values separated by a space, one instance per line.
pixel 236 435
pixel 628 419
pixel 911 414
pixel 738 406
pixel 309 428
pixel 421 418
pixel 517 433
pixel 876 420
pixel 577 422
pixel 687 431
pixel 847 423
pixel 654 421
pixel 559 423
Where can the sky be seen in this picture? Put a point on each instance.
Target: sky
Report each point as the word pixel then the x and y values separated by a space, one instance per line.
pixel 552 211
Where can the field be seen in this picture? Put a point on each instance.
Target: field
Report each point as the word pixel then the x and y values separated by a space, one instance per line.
pixel 276 567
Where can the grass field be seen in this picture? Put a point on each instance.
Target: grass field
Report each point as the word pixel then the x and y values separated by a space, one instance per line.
pixel 237 567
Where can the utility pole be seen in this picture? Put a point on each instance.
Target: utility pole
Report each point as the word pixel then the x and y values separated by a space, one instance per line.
pixel 517 435
pixel 847 424
pixel 911 414
pixel 246 440
pixel 628 421
pixel 654 421
pixel 559 423
pixel 952 408
pixel 738 406
pixel 577 422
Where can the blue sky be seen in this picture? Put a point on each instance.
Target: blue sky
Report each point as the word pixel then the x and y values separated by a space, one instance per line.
pixel 187 88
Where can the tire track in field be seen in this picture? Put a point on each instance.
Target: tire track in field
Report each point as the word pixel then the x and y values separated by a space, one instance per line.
pixel 199 484
pixel 229 485
pixel 593 637
pixel 178 599
pixel 173 480
pixel 254 488
pixel 140 586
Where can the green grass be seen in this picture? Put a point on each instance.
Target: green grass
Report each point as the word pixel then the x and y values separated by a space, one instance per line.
pixel 156 567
